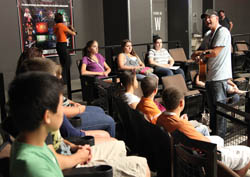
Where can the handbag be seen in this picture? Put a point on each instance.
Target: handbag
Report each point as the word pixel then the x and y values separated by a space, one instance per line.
pixel 145 71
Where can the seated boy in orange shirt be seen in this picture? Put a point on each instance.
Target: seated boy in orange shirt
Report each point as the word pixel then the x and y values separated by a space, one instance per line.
pixel 236 158
pixel 147 105
pixel 149 108
pixel 170 119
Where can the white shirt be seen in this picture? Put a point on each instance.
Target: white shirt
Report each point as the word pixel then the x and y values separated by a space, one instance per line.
pixel 219 68
pixel 131 98
pixel 159 56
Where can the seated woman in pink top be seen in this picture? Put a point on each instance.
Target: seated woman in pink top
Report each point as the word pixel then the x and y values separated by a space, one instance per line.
pixel 93 63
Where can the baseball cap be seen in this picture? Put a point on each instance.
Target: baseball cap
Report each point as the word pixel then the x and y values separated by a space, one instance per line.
pixel 209 12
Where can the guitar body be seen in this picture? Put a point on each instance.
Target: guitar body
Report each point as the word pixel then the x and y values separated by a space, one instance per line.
pixel 202 71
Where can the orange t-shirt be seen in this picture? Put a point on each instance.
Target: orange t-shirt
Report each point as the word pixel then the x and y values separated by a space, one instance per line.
pixel 171 122
pixel 60 30
pixel 149 109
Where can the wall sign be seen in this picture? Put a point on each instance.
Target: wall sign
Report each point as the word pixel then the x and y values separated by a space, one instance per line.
pixel 157 20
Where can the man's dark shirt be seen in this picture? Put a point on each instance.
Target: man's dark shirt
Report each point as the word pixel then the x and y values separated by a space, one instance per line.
pixel 225 22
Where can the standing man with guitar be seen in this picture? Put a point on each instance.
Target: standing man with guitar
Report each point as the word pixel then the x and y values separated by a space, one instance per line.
pixel 216 49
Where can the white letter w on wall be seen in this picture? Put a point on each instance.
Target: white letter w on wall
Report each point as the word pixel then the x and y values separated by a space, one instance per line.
pixel 157 23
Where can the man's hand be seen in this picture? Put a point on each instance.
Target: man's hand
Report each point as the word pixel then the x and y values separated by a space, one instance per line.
pixel 196 54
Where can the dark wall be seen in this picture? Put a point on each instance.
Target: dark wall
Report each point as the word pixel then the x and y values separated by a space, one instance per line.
pixel 160 13
pixel 179 23
pixel 127 20
pixel 238 12
pixel 196 17
pixel 9 35
pixel 88 21
pixel 115 21
pixel 140 25
pixel 140 15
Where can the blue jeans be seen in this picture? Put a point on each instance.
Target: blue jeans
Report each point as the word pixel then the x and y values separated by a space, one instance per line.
pixel 216 91
pixel 67 129
pixel 161 71
pixel 94 118
pixel 203 130
pixel 139 77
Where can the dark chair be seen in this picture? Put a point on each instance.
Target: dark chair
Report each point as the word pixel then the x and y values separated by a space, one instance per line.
pixel 241 57
pixel 5 146
pixel 94 90
pixel 95 171
pixel 115 70
pixel 197 158
pixel 242 83
pixel 193 98
pixel 2 98
pixel 193 158
pixel 121 112
pixel 146 59
pixel 179 55
pixel 146 139
pixel 153 142
pixel 180 59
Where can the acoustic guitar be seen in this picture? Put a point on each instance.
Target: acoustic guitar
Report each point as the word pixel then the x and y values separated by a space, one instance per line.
pixel 203 67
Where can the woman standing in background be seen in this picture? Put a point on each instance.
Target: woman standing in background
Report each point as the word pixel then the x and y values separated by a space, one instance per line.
pixel 61 31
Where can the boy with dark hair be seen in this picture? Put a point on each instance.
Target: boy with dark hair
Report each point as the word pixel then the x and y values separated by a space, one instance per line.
pixel 235 157
pixel 174 103
pixel 147 105
pixel 110 152
pixel 35 101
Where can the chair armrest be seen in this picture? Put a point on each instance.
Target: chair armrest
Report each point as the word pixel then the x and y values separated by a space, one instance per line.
pixel 113 77
pixel 247 52
pixel 93 78
pixel 201 89
pixel 82 140
pixel 88 78
pixel 192 92
pixel 95 171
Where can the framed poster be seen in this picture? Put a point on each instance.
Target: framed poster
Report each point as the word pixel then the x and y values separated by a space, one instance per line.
pixel 36 21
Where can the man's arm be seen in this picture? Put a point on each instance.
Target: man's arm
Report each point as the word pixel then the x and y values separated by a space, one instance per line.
pixel 82 155
pixel 231 26
pixel 211 53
